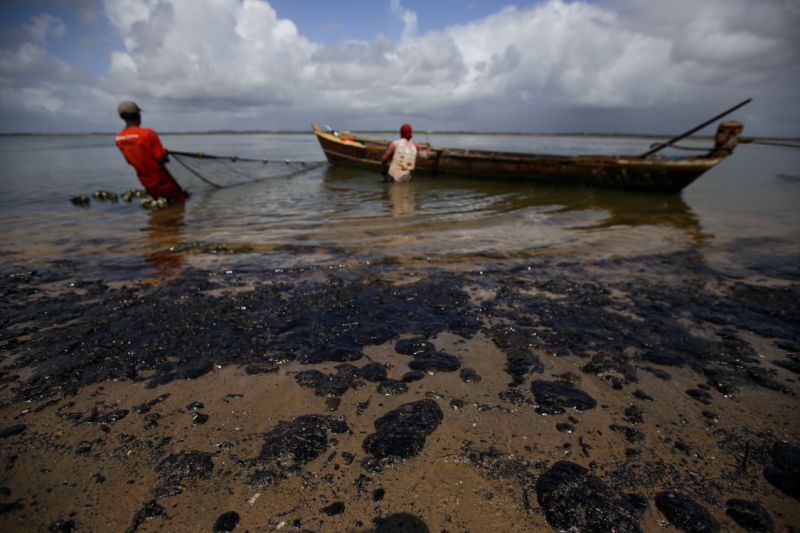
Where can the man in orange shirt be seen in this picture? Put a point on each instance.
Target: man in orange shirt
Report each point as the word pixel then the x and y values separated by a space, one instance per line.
pixel 143 150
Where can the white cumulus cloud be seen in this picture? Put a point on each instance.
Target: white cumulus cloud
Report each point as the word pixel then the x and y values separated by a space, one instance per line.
pixel 613 65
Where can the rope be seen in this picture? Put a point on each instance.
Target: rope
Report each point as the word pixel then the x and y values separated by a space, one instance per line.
pixel 741 141
pixel 772 143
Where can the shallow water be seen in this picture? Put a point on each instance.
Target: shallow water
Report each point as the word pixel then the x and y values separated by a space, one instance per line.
pixel 329 215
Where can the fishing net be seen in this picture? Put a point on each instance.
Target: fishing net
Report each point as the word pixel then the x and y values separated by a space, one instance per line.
pixel 229 171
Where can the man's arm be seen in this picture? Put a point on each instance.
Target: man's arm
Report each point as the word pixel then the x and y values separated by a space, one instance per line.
pixel 387 155
pixel 386 160
pixel 159 153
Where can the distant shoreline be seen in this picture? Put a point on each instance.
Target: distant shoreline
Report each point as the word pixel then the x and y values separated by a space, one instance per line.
pixel 794 141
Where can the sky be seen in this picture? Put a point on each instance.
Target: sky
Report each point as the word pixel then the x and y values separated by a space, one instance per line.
pixel 547 66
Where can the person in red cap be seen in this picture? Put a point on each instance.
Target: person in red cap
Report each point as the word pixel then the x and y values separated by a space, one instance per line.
pixel 143 151
pixel 400 157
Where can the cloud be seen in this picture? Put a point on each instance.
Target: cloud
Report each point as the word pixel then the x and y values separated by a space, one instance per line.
pixel 553 66
pixel 42 26
pixel 408 17
pixel 34 84
pixel 229 51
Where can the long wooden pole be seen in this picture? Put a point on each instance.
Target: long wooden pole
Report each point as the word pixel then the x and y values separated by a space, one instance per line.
pixel 696 128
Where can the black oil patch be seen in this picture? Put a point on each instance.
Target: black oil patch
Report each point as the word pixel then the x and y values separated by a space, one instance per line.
pixel 374 372
pixel 188 465
pixel 686 514
pixel 784 472
pixel 226 522
pixel 292 444
pixel 517 344
pixel 575 499
pixel 89 332
pixel 401 433
pixel 331 385
pixel 147 512
pixel 432 362
pixel 181 329
pixel 399 523
pixel 392 387
pixel 415 346
pixel 555 397
pixel 750 515
pixel 10 431
pixel 617 370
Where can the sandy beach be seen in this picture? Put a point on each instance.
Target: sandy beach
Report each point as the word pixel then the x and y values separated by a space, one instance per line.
pixel 645 394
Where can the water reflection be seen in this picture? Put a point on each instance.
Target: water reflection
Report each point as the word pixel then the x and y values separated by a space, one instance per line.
pixel 400 199
pixel 624 208
pixel 164 233
pixel 460 199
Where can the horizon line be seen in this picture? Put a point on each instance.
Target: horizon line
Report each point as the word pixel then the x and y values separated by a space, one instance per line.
pixel 392 131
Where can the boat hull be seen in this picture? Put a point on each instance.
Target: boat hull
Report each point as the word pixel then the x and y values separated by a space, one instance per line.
pixel 619 172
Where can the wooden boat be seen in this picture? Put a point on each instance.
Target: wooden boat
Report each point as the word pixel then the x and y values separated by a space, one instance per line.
pixel 638 172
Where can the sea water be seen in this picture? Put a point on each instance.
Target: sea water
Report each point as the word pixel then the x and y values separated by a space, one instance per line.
pixel 742 215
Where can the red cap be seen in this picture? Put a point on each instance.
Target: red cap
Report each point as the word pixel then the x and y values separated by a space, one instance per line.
pixel 405 131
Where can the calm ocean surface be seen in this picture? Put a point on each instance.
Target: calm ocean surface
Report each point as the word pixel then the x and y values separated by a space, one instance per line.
pixel 743 215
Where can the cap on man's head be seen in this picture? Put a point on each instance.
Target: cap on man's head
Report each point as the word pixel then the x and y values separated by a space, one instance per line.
pixel 128 107
pixel 405 131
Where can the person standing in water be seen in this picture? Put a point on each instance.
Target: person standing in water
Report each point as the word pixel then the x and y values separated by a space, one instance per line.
pixel 143 151
pixel 400 157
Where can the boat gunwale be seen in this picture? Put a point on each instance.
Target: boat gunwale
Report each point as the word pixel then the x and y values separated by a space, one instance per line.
pixel 523 157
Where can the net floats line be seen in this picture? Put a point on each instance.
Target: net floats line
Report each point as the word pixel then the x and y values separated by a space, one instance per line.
pixel 178 156
pixel 235 158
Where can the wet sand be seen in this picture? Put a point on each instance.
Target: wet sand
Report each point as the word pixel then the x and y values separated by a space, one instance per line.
pixel 632 394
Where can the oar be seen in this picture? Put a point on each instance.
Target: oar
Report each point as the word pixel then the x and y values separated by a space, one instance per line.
pixel 696 128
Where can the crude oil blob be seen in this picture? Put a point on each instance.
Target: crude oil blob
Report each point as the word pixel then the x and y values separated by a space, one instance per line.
pixel 575 499
pixel 292 444
pixel 10 431
pixel 685 514
pixel 785 470
pixel 399 523
pixel 414 346
pixel 226 522
pixel 187 465
pixel 617 370
pixel 148 511
pixel 516 343
pixel 331 385
pixel 374 372
pixel 750 515
pixel 469 375
pixel 401 433
pixel 62 526
pixel 432 362
pixel 391 387
pixel 333 509
pixel 554 397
